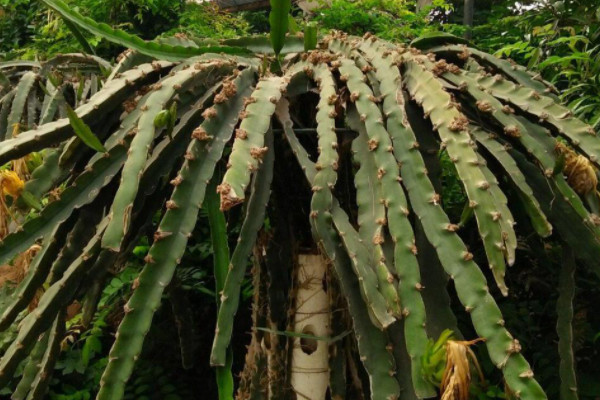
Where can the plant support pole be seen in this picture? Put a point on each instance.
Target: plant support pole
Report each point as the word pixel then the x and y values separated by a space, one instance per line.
pixel 310 357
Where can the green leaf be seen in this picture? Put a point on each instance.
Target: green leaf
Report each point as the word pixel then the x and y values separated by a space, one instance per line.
pixel 293 25
pixel 162 119
pixel 83 131
pixel 559 165
pixel 221 257
pixel 4 80
pixel 31 200
pixel 466 215
pixel 91 346
pixel 153 49
pixel 279 22
pixel 261 44
pixel 310 36
pixel 87 48
pixel 430 39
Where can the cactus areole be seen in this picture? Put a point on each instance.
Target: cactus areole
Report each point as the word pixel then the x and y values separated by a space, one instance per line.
pixel 340 149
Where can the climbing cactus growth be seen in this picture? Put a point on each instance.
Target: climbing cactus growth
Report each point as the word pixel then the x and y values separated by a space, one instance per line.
pixel 330 154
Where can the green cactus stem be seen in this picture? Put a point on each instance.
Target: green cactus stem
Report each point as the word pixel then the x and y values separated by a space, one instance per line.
pixel 55 298
pixel 40 384
pixel 103 102
pixel 171 237
pixel 564 326
pixel 120 212
pixel 532 207
pixel 37 274
pixel 372 343
pixel 358 254
pixel 255 213
pixel 249 142
pixel 26 84
pixel 452 127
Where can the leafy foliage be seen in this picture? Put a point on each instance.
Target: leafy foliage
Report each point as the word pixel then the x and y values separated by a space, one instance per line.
pixel 393 20
pixel 33 32
pixel 560 40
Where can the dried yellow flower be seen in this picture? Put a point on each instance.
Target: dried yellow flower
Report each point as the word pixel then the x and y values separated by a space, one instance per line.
pixel 580 173
pixel 11 183
pixel 457 375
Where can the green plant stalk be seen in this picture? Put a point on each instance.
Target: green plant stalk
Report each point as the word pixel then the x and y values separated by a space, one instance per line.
pixel 82 232
pixel 471 284
pixel 54 169
pixel 372 342
pixel 438 312
pixel 436 299
pixel 218 235
pixel 405 261
pixel 37 274
pixel 324 181
pixel 92 296
pixel 279 23
pixel 131 59
pixel 120 212
pixel 79 36
pixel 321 203
pixel 532 207
pixel 311 38
pixel 541 145
pixel 424 87
pixel 357 252
pixel 168 151
pixel 56 297
pixel 171 239
pixel 404 362
pixel 3 81
pixel 83 131
pixel 104 102
pixel 97 64
pixel 253 221
pixel 372 215
pixel 47 175
pixel 393 197
pixel 536 140
pixel 25 85
pixel 506 218
pixel 6 100
pixel 564 326
pixel 40 384
pixel 562 214
pixel 262 44
pixel 83 191
pixel 514 72
pixel 254 127
pixel 501 213
pixel 31 368
pixel 33 103
pixel 431 39
pixel 578 133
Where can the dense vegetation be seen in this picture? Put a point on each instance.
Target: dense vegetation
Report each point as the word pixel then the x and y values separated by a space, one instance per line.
pixel 558 40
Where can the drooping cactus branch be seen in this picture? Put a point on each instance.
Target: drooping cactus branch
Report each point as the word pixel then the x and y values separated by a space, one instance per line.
pixel 357 124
